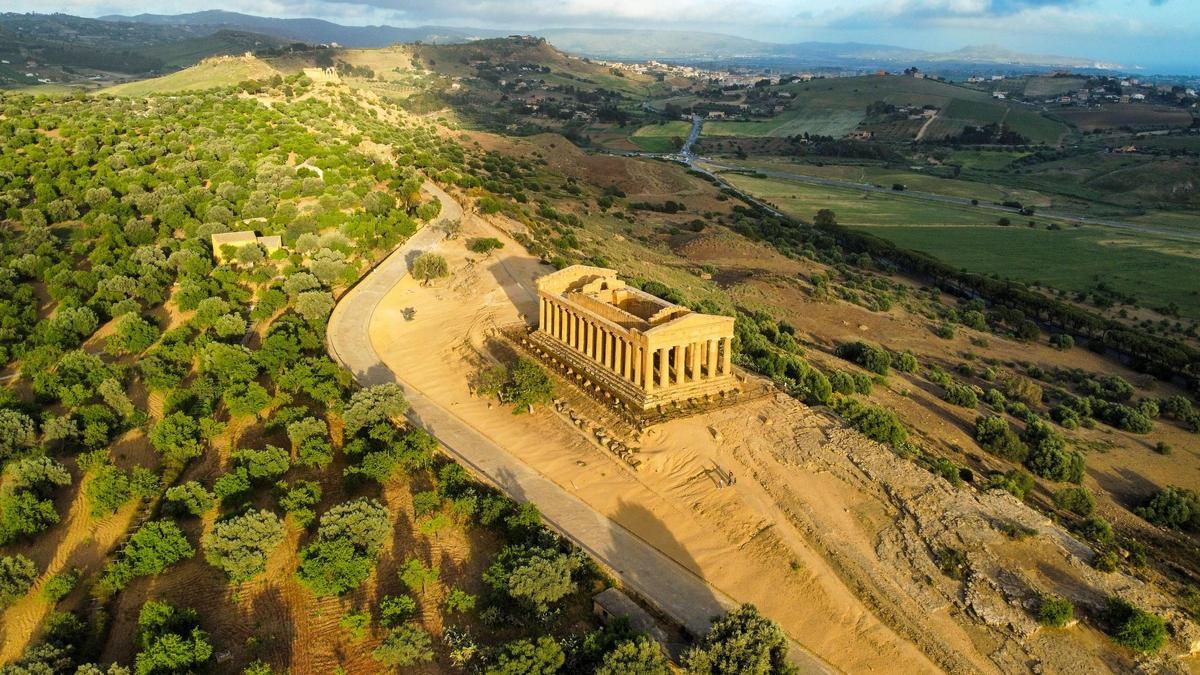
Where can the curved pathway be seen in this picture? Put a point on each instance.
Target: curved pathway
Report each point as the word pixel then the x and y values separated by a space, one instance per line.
pixel 676 591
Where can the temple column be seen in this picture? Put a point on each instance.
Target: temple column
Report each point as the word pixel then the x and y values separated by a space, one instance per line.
pixel 567 327
pixel 710 358
pixel 645 370
pixel 677 366
pixel 614 356
pixel 627 365
pixel 727 360
pixel 559 325
pixel 693 360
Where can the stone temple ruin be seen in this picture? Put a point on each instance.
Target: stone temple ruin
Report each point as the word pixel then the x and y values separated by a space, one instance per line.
pixel 646 353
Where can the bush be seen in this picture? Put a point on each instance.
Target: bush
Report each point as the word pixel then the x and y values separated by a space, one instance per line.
pixel 997 437
pixel 1173 507
pixel 961 395
pixel 1014 481
pixel 58 586
pixel 873 358
pixel 1077 500
pixel 1135 628
pixel 874 422
pixel 484 245
pixel 526 657
pixel 1055 611
pixel 906 363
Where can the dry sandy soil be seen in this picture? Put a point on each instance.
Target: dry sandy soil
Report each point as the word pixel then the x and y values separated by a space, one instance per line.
pixel 829 534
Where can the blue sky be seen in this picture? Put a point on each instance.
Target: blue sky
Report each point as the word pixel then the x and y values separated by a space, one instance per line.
pixel 1160 35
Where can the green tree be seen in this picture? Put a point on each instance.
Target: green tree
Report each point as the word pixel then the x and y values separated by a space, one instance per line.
pixel 429 266
pixel 370 406
pixel 314 306
pixel 1077 499
pixel 743 642
pixel 529 385
pixel 177 438
pixel 155 546
pixel 189 498
pixel 170 640
pixel 1173 507
pixel 16 577
pixel 405 646
pixel 396 609
pixel 639 656
pixel 533 576
pixel 417 577
pixel 240 545
pixel 348 540
pixel 526 657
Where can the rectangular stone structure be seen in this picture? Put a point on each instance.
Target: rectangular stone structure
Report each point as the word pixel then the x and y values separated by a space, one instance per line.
pixel 641 349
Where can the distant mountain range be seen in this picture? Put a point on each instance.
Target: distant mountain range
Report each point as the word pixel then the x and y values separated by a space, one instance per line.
pixel 617 43
pixel 148 42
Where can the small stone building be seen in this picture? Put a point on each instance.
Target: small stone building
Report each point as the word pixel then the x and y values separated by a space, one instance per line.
pixel 643 350
pixel 611 604
pixel 239 239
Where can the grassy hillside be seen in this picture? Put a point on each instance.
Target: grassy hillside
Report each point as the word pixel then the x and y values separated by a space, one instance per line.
pixel 209 74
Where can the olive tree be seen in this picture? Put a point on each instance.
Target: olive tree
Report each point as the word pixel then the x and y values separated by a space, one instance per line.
pixel 240 545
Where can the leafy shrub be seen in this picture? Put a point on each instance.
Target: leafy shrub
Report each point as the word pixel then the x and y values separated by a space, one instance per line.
pixel 998 438
pixel 1135 628
pixel 961 395
pixel 1055 611
pixel 1173 507
pixel 874 422
pixel 58 586
pixel 873 358
pixel 1076 499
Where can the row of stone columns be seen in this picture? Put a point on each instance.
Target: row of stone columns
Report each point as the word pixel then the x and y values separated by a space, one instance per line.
pixel 660 368
pixel 686 363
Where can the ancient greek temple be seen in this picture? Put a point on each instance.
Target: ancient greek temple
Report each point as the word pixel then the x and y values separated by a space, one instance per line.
pixel 641 349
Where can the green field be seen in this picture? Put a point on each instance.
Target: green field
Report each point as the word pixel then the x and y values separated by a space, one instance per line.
pixel 913 180
pixel 835 106
pixel 802 117
pixel 666 137
pixel 984 160
pixel 1157 270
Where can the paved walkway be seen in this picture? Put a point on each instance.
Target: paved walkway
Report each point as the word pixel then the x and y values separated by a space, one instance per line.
pixel 676 591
